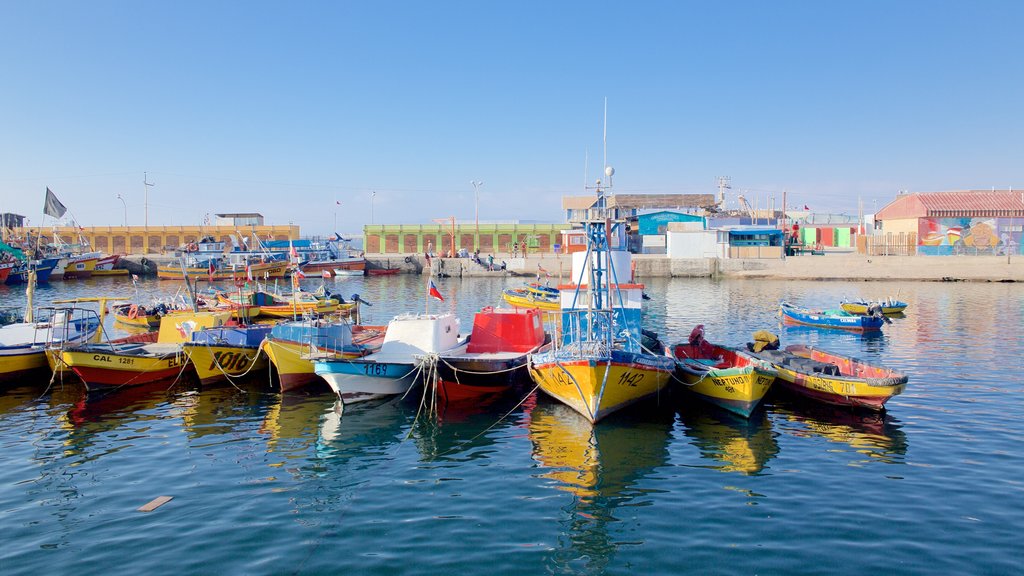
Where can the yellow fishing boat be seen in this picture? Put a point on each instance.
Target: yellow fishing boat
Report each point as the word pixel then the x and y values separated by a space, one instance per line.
pixel 292 346
pixel 599 365
pixel 227 352
pixel 524 298
pixel 863 307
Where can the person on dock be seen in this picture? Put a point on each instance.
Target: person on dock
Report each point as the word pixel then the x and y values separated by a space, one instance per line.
pixel 490 262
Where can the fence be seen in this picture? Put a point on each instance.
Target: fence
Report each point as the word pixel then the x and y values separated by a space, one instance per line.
pixel 890 244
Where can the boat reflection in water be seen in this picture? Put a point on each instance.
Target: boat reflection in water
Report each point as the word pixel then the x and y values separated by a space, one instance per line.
pixel 732 443
pixel 601 466
pixel 213 411
pixel 459 429
pixel 878 436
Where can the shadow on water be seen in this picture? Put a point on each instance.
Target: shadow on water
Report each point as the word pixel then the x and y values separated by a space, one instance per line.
pixel 459 430
pixel 600 465
pixel 879 436
pixel 731 443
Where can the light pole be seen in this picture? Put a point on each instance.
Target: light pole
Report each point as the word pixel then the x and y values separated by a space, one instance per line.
pixel 372 196
pixel 476 195
pixel 146 185
pixel 125 210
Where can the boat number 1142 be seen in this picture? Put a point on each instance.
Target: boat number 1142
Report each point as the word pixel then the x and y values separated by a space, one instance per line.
pixel 630 378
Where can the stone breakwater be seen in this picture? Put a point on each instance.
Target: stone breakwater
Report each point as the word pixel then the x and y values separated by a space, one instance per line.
pixel 831 266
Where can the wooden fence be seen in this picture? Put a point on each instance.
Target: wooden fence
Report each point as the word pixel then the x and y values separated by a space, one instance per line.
pixel 890 244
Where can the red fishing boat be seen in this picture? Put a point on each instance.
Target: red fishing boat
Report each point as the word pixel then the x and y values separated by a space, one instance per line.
pixel 495 356
pixel 5 270
pixel 383 271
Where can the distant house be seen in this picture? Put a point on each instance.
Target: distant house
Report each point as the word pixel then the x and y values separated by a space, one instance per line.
pixel 961 222
pixel 623 206
pixel 239 219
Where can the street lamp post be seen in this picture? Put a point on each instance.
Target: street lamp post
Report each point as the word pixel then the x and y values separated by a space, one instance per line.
pixel 372 196
pixel 125 210
pixel 476 195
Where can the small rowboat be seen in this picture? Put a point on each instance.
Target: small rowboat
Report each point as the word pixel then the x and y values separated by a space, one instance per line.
pixel 347 272
pixel 730 378
pixel 833 378
pixel 383 271
pixel 526 298
pixel 861 307
pixel 830 318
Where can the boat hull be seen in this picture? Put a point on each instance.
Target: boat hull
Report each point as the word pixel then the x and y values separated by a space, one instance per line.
pixel 597 387
pixel 861 308
pixel 466 378
pixel 852 383
pixel 215 364
pixel 267 270
pixel 80 269
pixel 359 380
pixel 738 390
pixel 20 361
pixel 851 323
pixel 291 360
pixel 99 369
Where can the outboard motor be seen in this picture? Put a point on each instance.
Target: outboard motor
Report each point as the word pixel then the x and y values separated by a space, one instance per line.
pixel 356 298
pixel 875 311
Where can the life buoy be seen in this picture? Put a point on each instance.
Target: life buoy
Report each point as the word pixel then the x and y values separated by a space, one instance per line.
pixel 133 312
pixel 408 259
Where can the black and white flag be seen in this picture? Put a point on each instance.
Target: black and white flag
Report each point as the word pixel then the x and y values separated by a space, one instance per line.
pixel 53 207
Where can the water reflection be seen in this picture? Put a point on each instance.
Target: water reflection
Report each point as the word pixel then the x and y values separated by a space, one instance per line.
pixel 218 411
pixel 734 444
pixel 877 436
pixel 600 466
pixel 460 429
pixel 94 414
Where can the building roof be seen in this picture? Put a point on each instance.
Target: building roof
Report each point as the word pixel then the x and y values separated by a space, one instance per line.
pixel 641 201
pixel 958 204
pixel 240 215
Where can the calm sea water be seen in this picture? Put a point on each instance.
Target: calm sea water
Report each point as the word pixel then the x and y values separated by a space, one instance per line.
pixel 271 484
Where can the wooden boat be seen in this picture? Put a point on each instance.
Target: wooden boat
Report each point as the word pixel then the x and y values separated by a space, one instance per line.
pixel 397 365
pixel 23 345
pixel 382 271
pixel 222 273
pixel 730 378
pixel 864 307
pixel 227 352
pixel 283 305
pixel 495 357
pixel 139 316
pixel 135 361
pixel 5 270
pixel 349 272
pixel 833 378
pixel 81 266
pixel 525 298
pixel 41 268
pixel 830 318
pixel 292 346
pixel 599 366
pixel 105 266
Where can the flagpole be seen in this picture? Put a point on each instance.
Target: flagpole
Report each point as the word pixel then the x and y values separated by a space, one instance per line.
pixel 426 293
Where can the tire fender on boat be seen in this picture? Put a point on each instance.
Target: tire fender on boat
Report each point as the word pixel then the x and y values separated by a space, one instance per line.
pixel 133 312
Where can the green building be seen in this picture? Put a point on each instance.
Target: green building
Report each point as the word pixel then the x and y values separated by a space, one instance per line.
pixel 437 238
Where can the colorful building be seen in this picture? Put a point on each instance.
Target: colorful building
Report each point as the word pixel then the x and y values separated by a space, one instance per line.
pixel 969 222
pixel 138 240
pixel 440 238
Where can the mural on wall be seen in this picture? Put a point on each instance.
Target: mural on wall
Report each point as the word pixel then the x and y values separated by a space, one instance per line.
pixel 969 236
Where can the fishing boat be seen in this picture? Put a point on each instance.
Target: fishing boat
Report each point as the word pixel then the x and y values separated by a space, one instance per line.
pixel 598 365
pixel 227 352
pixel 81 266
pixel 349 272
pixel 139 316
pixel 292 346
pixel 105 266
pixel 217 270
pixel 398 364
pixel 495 357
pixel 5 270
pixel 526 298
pixel 833 378
pixel 23 345
pixel 140 359
pixel 868 307
pixel 382 271
pixel 838 319
pixel 283 305
pixel 727 377
pixel 42 269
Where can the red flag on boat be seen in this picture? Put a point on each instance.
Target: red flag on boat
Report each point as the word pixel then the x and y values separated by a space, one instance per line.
pixel 299 274
pixel 435 292
pixel 805 207
pixel 248 272
pixel 293 252
pixel 212 269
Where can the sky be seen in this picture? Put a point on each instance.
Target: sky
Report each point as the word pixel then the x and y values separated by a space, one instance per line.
pixel 333 115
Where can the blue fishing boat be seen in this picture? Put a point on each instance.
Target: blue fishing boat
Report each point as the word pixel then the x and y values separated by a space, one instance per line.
pixel 42 267
pixel 838 319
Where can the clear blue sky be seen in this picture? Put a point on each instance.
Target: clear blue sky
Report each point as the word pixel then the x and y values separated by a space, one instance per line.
pixel 285 108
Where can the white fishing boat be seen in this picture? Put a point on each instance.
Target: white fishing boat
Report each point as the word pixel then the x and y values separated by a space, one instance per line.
pixel 395 368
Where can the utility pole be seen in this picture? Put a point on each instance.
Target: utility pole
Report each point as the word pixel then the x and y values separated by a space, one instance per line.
pixel 146 186
pixel 723 185
pixel 476 195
